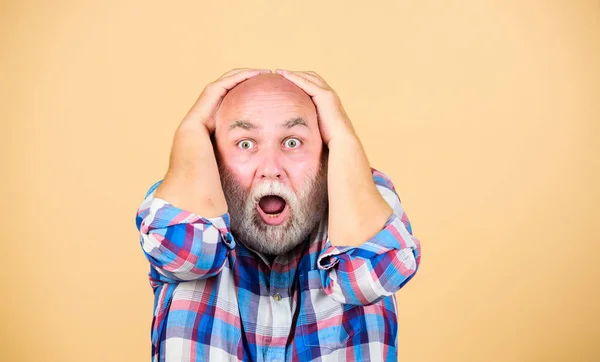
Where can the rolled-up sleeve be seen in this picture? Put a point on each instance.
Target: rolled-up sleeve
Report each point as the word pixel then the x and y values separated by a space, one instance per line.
pixel 381 265
pixel 181 245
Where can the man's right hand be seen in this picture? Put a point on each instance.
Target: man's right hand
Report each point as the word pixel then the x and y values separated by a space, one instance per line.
pixel 192 182
pixel 203 110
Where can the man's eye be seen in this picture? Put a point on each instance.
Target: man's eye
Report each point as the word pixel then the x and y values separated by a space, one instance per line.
pixel 292 143
pixel 245 144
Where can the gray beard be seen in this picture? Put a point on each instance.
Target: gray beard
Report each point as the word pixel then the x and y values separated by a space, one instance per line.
pixel 306 211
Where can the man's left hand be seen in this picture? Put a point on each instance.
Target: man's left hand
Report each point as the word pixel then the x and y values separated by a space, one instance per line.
pixel 333 120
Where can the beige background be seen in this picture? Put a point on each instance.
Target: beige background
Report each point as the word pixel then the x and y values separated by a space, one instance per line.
pixel 485 114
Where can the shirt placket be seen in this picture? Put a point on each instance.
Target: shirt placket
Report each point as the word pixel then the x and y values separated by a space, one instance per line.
pixel 282 314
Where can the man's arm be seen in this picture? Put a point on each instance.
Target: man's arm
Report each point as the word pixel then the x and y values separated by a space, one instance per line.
pixel 378 267
pixel 357 211
pixel 192 182
pixel 372 253
pixel 183 221
pixel 352 192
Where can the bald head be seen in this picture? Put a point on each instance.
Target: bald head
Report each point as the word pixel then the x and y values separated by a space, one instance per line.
pixel 263 83
pixel 257 98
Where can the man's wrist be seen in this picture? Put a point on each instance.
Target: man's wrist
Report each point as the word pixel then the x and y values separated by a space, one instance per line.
pixel 189 127
pixel 344 137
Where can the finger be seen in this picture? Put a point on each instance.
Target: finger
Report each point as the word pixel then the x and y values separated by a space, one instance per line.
pixel 314 77
pixel 233 71
pixel 212 95
pixel 311 88
pixel 223 85
pixel 239 70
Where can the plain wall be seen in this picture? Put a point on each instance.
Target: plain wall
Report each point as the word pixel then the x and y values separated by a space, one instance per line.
pixel 485 114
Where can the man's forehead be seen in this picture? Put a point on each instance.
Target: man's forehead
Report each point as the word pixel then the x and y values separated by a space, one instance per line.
pixel 264 93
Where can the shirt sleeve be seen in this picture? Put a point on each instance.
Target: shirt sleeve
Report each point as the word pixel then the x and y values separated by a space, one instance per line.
pixel 379 267
pixel 181 245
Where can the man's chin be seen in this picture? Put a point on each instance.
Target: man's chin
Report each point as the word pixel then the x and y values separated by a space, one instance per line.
pixel 274 248
pixel 269 239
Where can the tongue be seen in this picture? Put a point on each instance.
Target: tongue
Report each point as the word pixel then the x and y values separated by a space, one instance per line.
pixel 272 204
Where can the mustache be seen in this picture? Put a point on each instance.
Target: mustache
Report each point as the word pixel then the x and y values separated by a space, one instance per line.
pixel 272 188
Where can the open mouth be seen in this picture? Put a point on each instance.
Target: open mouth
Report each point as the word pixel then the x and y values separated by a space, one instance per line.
pixel 272 209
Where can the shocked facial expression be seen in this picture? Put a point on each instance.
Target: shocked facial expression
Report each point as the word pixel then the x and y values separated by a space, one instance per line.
pixel 272 162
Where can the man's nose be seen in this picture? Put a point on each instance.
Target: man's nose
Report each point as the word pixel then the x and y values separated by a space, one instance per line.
pixel 270 167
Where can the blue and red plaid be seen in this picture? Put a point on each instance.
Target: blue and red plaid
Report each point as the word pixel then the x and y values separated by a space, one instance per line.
pixel 217 300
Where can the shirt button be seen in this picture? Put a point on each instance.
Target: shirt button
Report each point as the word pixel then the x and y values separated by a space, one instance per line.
pixel 277 297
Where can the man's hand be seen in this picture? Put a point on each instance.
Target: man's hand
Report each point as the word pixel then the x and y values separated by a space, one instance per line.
pixel 192 181
pixel 203 110
pixel 333 120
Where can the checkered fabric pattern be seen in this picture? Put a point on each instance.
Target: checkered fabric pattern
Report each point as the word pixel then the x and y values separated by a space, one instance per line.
pixel 217 300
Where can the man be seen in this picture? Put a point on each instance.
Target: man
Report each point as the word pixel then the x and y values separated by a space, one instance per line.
pixel 270 237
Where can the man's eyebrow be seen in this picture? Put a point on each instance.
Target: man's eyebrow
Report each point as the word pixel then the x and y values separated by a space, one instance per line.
pixel 295 122
pixel 298 121
pixel 242 124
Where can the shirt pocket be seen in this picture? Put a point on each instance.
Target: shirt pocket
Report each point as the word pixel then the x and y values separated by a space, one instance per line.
pixel 324 322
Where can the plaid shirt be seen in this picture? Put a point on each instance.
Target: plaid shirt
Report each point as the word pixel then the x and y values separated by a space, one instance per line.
pixel 217 300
